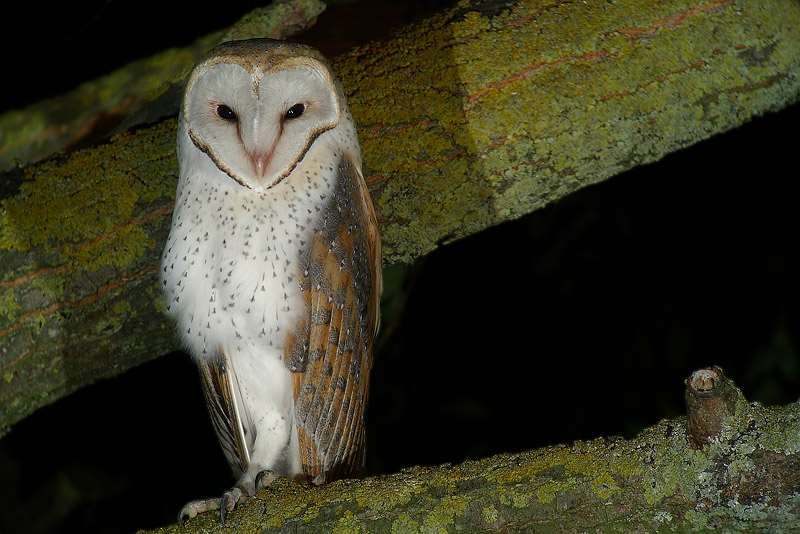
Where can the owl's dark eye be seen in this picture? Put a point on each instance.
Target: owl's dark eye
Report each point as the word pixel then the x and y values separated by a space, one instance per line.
pixel 295 111
pixel 226 113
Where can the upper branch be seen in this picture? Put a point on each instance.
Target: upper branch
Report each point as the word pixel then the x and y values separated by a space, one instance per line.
pixel 480 114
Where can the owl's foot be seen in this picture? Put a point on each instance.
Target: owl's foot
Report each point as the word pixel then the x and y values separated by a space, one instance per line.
pixel 224 504
pixel 229 499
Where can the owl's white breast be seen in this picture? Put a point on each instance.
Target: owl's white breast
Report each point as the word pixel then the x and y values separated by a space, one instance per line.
pixel 230 264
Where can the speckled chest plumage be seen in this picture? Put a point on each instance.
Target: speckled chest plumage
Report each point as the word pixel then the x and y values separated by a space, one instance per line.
pixel 234 255
pixel 230 272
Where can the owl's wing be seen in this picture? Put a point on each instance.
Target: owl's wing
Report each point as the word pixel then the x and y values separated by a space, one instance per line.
pixel 221 398
pixel 330 355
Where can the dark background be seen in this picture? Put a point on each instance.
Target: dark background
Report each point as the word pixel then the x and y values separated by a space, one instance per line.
pixel 580 320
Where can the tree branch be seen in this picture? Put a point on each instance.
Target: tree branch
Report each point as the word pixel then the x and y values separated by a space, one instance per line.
pixel 746 477
pixel 478 115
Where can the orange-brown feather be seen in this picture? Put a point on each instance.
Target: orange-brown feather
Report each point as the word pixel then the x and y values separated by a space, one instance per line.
pixel 340 279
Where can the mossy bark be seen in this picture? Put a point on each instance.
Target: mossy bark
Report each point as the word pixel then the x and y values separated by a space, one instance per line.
pixel 480 114
pixel 746 479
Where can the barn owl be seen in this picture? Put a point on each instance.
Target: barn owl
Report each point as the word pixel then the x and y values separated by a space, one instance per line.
pixel 272 268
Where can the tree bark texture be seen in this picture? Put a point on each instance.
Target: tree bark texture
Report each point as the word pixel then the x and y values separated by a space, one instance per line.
pixel 480 114
pixel 746 478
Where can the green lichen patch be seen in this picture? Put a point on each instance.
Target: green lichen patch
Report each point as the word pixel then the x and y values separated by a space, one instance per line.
pixel 605 485
pixel 443 514
pixel 9 306
pixel 120 248
pixel 548 491
pixel 347 524
pixel 89 194
pixel 405 524
pixel 489 514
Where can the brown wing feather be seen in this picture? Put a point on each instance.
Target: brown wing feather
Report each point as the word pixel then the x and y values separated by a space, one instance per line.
pixel 218 383
pixel 330 353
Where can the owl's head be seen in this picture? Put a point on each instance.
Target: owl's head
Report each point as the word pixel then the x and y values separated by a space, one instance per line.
pixel 256 106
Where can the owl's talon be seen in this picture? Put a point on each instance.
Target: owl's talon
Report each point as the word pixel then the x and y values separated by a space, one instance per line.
pixel 228 502
pixel 192 509
pixel 182 519
pixel 222 505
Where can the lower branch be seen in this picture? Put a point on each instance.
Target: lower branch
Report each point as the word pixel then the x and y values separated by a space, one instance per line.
pixel 745 478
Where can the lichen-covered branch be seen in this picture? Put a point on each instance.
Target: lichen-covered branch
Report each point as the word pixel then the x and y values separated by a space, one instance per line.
pixel 745 478
pixel 482 113
pixel 488 112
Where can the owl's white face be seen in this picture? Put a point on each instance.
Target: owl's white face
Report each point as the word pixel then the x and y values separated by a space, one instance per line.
pixel 257 123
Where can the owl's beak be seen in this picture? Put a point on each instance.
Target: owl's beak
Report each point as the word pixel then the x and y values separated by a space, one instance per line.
pixel 260 163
